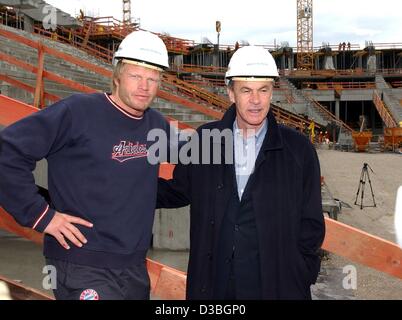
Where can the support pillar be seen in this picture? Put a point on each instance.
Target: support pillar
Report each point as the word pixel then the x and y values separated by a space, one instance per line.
pixel 28 24
pixel 337 108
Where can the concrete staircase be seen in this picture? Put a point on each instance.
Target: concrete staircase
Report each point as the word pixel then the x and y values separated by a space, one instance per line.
pixel 72 72
pixel 390 99
pixel 304 106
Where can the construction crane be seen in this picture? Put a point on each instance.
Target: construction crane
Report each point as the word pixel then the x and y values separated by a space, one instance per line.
pixel 127 12
pixel 305 53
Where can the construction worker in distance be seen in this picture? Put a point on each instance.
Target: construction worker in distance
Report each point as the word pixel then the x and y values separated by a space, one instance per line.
pixel 98 225
pixel 311 128
pixel 256 221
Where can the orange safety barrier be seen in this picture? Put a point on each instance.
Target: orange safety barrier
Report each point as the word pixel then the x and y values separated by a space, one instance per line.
pixel 338 85
pixel 202 69
pixel 383 111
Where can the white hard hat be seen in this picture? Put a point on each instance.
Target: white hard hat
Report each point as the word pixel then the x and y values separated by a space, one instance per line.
pixel 143 48
pixel 250 63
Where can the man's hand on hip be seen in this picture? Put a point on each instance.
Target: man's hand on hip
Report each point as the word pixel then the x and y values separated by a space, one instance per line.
pixel 62 227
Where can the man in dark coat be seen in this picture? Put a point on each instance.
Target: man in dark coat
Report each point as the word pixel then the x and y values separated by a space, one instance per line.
pixel 256 217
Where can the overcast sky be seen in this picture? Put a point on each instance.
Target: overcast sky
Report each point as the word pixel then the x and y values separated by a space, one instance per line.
pixel 256 21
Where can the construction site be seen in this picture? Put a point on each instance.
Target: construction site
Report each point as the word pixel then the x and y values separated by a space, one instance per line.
pixel 346 98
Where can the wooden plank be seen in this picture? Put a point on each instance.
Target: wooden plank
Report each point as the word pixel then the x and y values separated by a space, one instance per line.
pixel 170 283
pixel 363 248
pixel 8 223
pixel 12 110
pixel 18 291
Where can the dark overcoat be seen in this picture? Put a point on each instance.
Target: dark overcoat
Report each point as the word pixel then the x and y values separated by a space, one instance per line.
pixel 286 196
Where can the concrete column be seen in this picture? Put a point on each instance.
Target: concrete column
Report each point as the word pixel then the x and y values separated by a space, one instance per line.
pixel 291 62
pixel 372 108
pixel 283 62
pixel 178 61
pixel 28 24
pixel 337 108
pixel 317 63
pixel 346 111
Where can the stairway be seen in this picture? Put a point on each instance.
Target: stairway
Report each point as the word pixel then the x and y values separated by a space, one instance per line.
pixel 73 72
pixel 389 99
pixel 305 105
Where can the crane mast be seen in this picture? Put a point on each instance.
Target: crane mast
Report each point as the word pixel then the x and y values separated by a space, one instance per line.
pixel 126 12
pixel 305 53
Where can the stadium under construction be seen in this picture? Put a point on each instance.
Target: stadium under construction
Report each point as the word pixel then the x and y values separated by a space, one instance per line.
pixel 346 98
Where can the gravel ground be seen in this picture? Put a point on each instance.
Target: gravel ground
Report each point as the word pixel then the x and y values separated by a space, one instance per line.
pixel 341 171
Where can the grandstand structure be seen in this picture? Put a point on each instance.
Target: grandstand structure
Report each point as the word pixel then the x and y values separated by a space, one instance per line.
pixel 348 91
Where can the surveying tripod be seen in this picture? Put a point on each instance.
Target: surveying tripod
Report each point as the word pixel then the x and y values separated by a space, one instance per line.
pixel 364 175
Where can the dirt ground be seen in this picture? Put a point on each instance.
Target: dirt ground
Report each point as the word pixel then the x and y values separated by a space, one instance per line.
pixel 342 171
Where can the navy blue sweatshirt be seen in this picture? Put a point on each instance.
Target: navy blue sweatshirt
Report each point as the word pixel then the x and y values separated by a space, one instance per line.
pixel 97 170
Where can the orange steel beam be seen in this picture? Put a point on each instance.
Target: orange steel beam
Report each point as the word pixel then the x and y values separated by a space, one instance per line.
pixel 339 85
pixel 39 90
pixel 383 111
pixel 13 36
pixel 78 62
pixel 46 74
pixel 56 53
pixel 22 85
pixel 192 105
pixel 12 110
pixel 363 248
pixel 77 41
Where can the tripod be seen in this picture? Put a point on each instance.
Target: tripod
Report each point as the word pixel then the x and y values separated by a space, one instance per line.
pixel 362 184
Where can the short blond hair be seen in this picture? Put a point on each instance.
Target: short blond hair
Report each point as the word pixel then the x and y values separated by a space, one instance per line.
pixel 117 70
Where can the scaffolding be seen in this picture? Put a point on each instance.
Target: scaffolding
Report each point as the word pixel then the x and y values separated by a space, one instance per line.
pixel 305 50
pixel 126 12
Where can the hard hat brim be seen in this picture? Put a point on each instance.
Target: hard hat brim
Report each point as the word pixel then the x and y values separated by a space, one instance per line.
pixel 252 79
pixel 142 64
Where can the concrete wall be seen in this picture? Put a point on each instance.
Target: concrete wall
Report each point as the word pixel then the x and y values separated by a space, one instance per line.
pixel 357 95
pixel 397 93
pixel 347 95
pixel 321 95
pixel 172 229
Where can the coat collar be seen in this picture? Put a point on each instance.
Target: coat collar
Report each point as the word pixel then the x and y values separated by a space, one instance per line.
pixel 273 138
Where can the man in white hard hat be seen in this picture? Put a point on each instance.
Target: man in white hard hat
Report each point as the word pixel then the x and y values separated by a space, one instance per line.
pixel 98 225
pixel 256 222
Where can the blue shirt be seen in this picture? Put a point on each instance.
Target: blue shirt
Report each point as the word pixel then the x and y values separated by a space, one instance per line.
pixel 246 151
